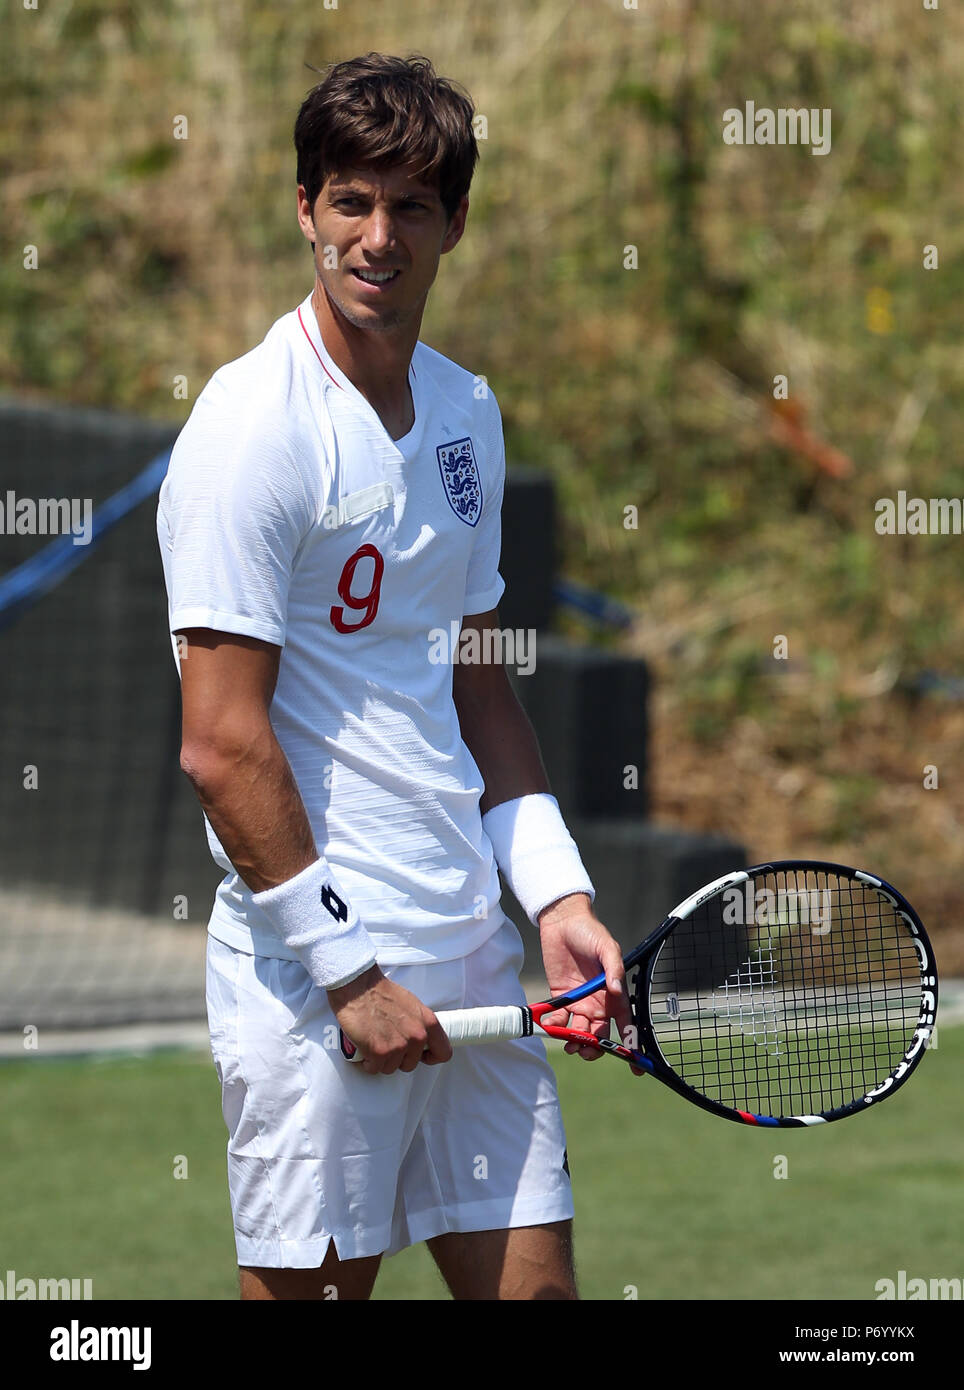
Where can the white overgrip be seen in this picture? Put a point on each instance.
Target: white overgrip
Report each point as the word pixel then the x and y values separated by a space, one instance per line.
pixel 484 1025
pixel 471 1026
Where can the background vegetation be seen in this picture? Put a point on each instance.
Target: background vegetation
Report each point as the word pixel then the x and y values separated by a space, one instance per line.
pixel 648 387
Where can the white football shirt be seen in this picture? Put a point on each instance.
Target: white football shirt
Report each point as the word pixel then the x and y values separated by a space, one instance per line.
pixel 289 514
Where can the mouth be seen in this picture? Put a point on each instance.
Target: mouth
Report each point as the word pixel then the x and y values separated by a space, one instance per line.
pixel 376 281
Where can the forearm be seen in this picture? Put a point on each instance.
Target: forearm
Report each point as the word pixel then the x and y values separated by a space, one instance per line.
pixel 535 853
pixel 249 794
pixel 498 734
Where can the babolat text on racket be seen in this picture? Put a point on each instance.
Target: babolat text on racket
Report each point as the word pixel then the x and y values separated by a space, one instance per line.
pixel 791 994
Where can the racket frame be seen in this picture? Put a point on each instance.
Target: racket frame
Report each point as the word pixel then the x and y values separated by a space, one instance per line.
pixel 649 1058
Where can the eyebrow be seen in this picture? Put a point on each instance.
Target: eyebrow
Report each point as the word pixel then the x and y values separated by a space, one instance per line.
pixel 415 191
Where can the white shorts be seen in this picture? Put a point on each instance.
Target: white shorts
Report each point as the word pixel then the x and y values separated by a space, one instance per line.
pixel 319 1150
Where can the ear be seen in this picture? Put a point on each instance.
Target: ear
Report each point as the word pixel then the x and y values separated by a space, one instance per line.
pixel 305 215
pixel 456 226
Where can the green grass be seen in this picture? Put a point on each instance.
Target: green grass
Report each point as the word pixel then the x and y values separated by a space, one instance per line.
pixel 644 386
pixel 671 1201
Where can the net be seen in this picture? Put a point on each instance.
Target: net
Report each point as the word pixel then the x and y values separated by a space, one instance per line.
pixel 105 879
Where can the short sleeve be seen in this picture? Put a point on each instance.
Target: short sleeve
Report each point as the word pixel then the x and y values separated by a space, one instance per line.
pixel 234 510
pixel 484 585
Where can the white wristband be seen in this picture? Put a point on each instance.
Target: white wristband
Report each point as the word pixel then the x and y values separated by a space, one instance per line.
pixel 535 852
pixel 310 914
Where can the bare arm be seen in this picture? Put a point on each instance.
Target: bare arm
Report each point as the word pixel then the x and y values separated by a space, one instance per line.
pixel 234 761
pixel 498 734
pixel 247 789
pixel 495 728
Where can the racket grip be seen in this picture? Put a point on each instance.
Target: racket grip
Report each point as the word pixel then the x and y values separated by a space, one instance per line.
pixel 470 1026
pixel 485 1025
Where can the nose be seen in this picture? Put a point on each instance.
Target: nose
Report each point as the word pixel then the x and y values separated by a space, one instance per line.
pixel 379 230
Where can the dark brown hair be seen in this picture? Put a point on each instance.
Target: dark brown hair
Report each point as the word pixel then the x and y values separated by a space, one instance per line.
pixel 379 111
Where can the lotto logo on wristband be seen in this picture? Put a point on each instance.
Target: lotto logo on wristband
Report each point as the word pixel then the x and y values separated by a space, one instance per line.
pixel 334 904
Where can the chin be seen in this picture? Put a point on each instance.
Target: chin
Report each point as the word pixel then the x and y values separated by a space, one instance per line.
pixel 374 321
pixel 371 317
pixel 368 316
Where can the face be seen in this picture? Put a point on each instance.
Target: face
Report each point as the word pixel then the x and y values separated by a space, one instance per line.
pixel 379 224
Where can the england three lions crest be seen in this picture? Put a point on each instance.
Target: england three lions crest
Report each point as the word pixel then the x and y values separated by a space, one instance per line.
pixel 460 478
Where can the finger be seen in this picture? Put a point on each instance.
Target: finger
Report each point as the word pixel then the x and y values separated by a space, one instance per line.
pixel 437 1047
pixel 593 1054
pixel 630 1039
pixel 414 1048
pixel 585 1023
pixel 599 1028
pixel 617 998
pixel 618 1006
pixel 611 960
pixel 395 1054
pixel 580 1024
pixel 587 1052
pixel 410 1058
pixel 558 1018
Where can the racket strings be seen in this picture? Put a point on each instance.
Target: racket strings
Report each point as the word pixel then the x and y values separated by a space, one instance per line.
pixel 747 999
pixel 795 993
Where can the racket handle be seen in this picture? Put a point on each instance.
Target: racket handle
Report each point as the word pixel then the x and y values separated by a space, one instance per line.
pixel 485 1025
pixel 470 1026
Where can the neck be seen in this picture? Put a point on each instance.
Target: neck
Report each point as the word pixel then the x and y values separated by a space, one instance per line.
pixel 376 363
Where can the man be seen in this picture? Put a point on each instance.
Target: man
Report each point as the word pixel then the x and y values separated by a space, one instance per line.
pixel 333 500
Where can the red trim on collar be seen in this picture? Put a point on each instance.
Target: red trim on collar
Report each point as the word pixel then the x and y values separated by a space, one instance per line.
pixel 321 359
pixel 315 350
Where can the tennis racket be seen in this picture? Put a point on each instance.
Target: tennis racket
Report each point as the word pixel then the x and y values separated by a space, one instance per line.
pixel 788 994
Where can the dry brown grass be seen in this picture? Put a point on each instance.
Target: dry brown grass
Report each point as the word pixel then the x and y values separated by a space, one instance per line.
pixel 645 387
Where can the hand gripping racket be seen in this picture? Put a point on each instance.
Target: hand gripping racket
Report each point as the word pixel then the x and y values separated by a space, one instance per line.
pixel 789 994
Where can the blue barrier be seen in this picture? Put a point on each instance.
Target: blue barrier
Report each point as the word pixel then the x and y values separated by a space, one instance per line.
pixel 608 611
pixel 23 586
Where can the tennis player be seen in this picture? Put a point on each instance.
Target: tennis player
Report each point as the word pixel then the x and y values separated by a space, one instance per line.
pixel 333 501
